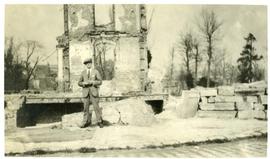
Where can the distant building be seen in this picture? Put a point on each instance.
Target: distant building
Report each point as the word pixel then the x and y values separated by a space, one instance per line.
pixel 44 78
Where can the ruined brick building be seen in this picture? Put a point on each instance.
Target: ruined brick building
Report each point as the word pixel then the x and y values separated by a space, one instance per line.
pixel 114 36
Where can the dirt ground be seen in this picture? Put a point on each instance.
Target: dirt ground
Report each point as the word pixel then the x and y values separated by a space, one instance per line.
pixel 167 131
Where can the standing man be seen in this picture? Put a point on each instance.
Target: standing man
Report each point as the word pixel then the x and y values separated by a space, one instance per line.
pixel 90 81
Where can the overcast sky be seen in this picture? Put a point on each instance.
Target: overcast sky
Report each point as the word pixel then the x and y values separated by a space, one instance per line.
pixel 45 22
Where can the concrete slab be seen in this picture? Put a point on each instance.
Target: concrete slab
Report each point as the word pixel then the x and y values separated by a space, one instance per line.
pixel 217 106
pixel 252 99
pixel 187 107
pixel 204 100
pixel 263 99
pixel 191 93
pixel 13 101
pixel 244 106
pixel 216 114
pixel 130 111
pixel 245 114
pixel 259 114
pixel 258 106
pixel 208 92
pixel 226 90
pixel 223 99
pixel 211 100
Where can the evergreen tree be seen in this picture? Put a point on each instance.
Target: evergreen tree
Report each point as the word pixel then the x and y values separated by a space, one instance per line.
pixel 248 60
pixel 8 57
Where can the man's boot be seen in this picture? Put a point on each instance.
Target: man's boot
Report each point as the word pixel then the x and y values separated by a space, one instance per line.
pixel 100 124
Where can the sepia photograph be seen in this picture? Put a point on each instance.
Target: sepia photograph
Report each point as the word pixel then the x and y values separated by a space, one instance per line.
pixel 135 80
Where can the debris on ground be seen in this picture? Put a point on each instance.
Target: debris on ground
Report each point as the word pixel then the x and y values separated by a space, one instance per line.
pixel 125 112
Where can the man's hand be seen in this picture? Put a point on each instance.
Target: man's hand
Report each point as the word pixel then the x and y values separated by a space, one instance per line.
pixel 84 84
pixel 87 83
pixel 90 82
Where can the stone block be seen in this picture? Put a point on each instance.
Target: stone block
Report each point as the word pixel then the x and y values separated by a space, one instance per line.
pixel 245 114
pixel 14 102
pixel 203 100
pixel 211 100
pixel 224 99
pixel 258 106
pixel 208 92
pixel 129 111
pixel 244 106
pixel 259 114
pixel 191 93
pixel 263 99
pixel 252 99
pixel 187 107
pixel 226 90
pixel 216 114
pixel 10 120
pixel 72 120
pixel 217 106
pixel 249 90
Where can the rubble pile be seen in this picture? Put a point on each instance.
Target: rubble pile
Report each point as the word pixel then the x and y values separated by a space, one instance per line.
pixel 129 111
pixel 169 111
pixel 244 101
pixel 189 106
pixel 184 106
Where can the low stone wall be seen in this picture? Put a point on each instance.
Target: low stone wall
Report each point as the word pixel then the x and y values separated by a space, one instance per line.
pixel 242 101
pixel 12 104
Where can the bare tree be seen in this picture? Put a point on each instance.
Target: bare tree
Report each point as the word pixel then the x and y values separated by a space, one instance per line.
pixel 197 57
pixel 30 65
pixel 232 73
pixel 209 25
pixel 185 47
pixel 217 71
pixel 171 64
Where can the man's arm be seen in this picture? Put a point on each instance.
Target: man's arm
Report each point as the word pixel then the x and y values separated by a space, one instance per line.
pixel 98 80
pixel 81 82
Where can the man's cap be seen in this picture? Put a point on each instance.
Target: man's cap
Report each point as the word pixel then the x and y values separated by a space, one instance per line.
pixel 87 60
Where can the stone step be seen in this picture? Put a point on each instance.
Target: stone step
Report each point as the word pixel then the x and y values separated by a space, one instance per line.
pixel 245 114
pixel 226 90
pixel 216 114
pixel 217 106
pixel 208 92
pixel 206 100
pixel 259 114
pixel 249 114
pixel 191 93
pixel 222 99
pixel 263 99
pixel 258 106
pixel 211 100
pixel 252 99
pixel 244 106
